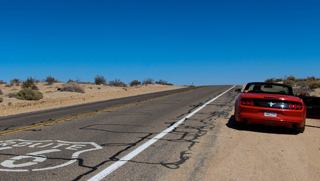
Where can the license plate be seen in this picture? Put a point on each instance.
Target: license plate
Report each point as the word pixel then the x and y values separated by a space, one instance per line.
pixel 270 114
pixel 269 122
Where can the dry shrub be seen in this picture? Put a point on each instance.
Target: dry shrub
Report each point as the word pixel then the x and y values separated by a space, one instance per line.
pixel 7 85
pixel 162 82
pixel 29 94
pixel 274 80
pixel 271 80
pixel 1 91
pixel 114 82
pixel 117 83
pixel 289 82
pixel 147 81
pixel 34 87
pixel 99 80
pixel 291 78
pixel 11 95
pixel 314 84
pixel 50 80
pixel 70 81
pixel 72 87
pixel 123 84
pixel 78 80
pixel 135 83
pixel 15 82
pixel 1 99
pixel 29 83
pixel 1 82
pixel 313 78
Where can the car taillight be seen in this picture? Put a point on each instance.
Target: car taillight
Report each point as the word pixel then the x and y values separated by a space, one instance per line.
pixel 296 106
pixel 247 102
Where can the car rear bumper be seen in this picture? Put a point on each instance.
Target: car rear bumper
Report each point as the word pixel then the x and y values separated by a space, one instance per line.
pixel 252 118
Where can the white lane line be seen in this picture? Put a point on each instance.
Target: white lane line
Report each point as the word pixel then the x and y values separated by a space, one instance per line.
pixel 138 150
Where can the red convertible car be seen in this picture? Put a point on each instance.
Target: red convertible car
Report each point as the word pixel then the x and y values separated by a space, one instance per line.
pixel 270 104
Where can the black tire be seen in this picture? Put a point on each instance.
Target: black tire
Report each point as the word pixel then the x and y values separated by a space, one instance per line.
pixel 300 130
pixel 237 124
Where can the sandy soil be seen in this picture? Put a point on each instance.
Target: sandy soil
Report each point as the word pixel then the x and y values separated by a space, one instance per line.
pixel 259 153
pixel 52 98
pixel 315 92
pixel 255 152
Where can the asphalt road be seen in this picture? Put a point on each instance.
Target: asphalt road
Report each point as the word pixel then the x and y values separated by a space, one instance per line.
pixel 80 148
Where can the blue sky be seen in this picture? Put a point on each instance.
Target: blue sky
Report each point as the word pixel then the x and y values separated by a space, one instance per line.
pixel 201 42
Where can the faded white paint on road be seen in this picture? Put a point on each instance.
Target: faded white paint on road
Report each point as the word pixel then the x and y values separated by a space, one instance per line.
pixel 39 153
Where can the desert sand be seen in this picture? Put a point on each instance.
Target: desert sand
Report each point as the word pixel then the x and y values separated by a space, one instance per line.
pixel 315 92
pixel 52 98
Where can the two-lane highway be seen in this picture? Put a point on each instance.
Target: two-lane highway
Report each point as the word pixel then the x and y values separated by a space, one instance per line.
pixel 87 146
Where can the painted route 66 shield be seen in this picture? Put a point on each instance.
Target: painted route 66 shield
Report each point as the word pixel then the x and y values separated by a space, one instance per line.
pixel 29 155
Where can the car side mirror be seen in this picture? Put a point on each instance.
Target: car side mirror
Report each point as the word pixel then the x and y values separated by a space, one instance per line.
pixel 238 90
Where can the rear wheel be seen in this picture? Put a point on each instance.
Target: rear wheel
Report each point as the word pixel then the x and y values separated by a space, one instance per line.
pixel 237 124
pixel 300 130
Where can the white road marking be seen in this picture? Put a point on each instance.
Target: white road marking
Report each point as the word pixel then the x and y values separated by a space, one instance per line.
pixel 135 152
pixel 36 157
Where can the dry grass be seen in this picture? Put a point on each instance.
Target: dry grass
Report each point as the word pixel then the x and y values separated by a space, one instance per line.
pixel 73 87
